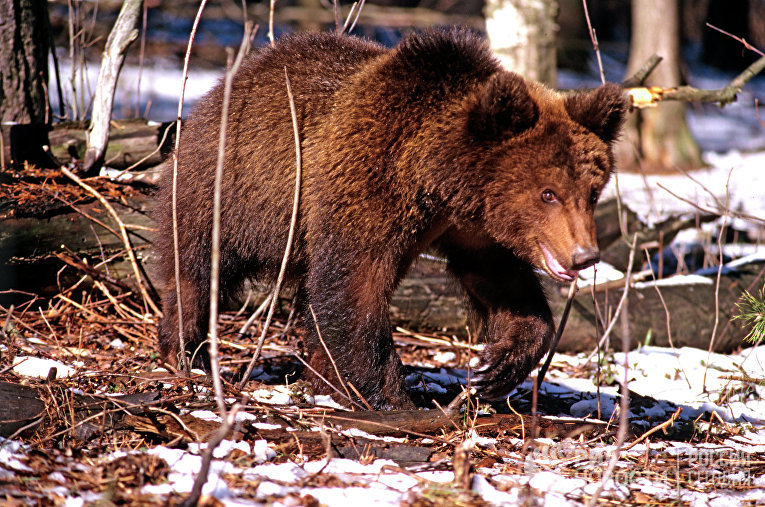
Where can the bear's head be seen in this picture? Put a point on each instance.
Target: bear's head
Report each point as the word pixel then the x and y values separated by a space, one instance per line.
pixel 545 158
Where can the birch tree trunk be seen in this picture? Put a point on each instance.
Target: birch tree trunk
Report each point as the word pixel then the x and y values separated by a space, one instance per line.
pixel 24 47
pixel 522 34
pixel 658 139
pixel 122 35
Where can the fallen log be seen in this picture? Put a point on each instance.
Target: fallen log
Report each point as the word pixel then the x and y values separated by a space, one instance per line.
pixel 25 406
pixel 20 406
pixel 434 422
pixel 136 144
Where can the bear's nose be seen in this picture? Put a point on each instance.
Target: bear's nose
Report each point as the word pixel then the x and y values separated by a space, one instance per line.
pixel 584 257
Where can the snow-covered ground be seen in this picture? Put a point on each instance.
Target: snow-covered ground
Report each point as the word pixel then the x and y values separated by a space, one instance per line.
pixel 710 389
pixel 734 180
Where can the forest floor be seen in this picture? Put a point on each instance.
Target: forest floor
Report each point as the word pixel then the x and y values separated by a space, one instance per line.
pixel 109 426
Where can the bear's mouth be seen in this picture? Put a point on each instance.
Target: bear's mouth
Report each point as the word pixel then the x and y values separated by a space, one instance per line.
pixel 555 268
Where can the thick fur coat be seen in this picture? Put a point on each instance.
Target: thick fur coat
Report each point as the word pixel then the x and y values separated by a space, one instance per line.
pixel 429 145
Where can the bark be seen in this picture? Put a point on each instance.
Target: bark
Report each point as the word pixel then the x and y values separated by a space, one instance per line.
pixel 24 47
pixel 658 138
pixel 122 35
pixel 135 144
pixel 522 33
pixel 24 406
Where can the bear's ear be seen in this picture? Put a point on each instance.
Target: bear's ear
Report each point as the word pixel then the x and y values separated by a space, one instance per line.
pixel 503 108
pixel 600 111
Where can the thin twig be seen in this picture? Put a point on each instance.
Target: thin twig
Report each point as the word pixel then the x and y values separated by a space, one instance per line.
pixel 356 18
pixel 94 273
pixel 7 323
pixel 561 326
pixel 348 18
pixel 290 234
pixel 594 39
pixel 627 285
pixel 153 152
pixel 740 39
pixel 176 249
pixel 354 14
pixel 123 233
pixel 207 457
pixel 329 355
pixel 323 379
pixel 255 315
pixel 624 405
pixel 141 55
pixel 668 320
pixel 271 22
pixel 663 426
pixel 215 236
pixel 708 211
pixel 639 77
pixel 717 281
pixel 363 400
pixel 723 95
pixel 337 17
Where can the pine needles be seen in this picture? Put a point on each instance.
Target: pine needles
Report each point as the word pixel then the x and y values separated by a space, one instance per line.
pixel 752 311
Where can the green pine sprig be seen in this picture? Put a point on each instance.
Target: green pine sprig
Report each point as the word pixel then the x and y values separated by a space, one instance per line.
pixel 751 309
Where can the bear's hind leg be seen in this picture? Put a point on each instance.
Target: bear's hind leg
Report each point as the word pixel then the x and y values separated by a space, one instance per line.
pixel 511 314
pixel 195 308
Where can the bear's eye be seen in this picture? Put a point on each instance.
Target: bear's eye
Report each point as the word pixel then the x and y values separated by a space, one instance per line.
pixel 593 198
pixel 549 196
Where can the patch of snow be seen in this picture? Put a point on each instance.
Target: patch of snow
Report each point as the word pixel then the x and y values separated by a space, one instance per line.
pixel 117 344
pixel 225 448
pixel 265 426
pixel 676 280
pixel 757 256
pixel 599 273
pixel 183 467
pixel 275 395
pixel 444 357
pixel 733 177
pixel 206 415
pixel 38 367
pixel 10 452
pixel 325 400
pixel 551 481
pixel 357 495
pixel 355 432
pixel 491 494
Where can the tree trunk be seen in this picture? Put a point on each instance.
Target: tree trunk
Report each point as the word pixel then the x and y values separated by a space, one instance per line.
pixel 522 34
pixel 24 47
pixel 123 33
pixel 657 139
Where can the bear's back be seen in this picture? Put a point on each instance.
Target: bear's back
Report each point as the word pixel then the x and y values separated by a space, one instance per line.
pixel 260 154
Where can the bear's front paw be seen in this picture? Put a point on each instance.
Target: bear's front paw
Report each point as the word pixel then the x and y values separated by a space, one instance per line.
pixel 496 377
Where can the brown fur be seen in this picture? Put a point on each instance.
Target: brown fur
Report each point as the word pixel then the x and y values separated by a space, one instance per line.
pixel 428 145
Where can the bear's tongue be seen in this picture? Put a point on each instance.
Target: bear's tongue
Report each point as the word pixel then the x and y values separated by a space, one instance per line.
pixel 555 267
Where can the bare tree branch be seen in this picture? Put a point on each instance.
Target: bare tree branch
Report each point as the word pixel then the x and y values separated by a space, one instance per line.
pixel 726 95
pixel 290 234
pixel 215 250
pixel 122 35
pixel 183 362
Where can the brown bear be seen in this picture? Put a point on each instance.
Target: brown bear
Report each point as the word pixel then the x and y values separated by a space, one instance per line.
pixel 431 145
